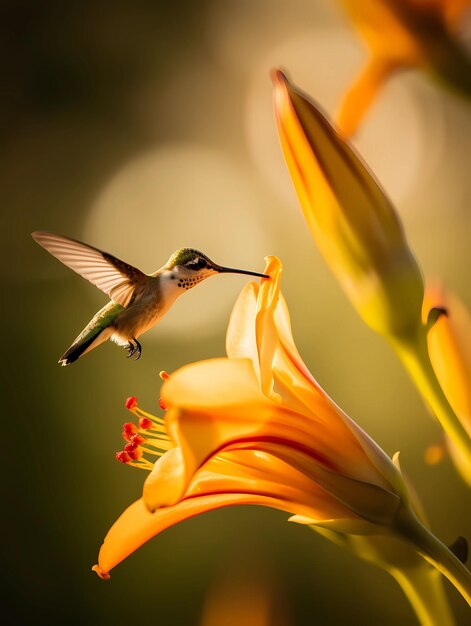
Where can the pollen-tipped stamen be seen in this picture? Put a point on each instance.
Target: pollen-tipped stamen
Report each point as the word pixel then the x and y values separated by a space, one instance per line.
pixel 145 423
pixel 139 413
pixel 137 435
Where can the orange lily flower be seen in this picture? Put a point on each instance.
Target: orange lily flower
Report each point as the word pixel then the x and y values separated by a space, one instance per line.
pixel 449 346
pixel 256 428
pixel 402 34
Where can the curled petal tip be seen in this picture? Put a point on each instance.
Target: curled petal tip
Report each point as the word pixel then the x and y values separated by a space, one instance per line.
pixel 103 575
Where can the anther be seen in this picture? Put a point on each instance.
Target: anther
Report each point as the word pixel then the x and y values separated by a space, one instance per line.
pixel 133 451
pixel 137 439
pixel 131 403
pixel 162 405
pixel 145 423
pixel 163 375
pixel 123 456
pixel 129 429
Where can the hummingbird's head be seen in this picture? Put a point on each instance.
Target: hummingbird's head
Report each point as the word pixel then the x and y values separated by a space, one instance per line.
pixel 189 267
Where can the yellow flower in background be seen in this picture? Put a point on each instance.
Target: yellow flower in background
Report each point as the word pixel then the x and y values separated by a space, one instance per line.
pixel 351 219
pixel 246 591
pixel 402 34
pixel 256 428
pixel 449 346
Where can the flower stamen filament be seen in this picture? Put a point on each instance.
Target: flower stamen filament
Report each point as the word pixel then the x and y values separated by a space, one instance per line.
pixel 136 436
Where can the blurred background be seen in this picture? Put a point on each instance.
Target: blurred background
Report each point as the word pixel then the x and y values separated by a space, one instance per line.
pixel 141 127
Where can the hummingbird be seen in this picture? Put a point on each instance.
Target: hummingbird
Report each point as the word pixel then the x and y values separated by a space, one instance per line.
pixel 137 300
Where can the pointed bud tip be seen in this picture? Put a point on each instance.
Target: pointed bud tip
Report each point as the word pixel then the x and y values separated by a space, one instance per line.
pixel 278 77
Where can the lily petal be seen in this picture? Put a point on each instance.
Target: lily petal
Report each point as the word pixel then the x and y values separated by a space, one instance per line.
pixel 238 410
pixel 363 91
pixel 368 500
pixel 190 387
pixel 449 347
pixel 449 344
pixel 240 336
pixel 246 478
pixel 137 525
pixel 167 480
pixel 265 329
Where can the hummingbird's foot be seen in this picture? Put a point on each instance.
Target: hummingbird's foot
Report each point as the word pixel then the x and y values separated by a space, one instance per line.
pixel 137 349
pixel 133 347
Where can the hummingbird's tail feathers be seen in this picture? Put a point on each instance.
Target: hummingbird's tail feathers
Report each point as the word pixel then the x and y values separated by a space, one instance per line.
pixel 75 351
pixel 82 345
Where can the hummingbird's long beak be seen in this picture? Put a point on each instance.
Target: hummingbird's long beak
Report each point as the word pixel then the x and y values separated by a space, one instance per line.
pixel 231 270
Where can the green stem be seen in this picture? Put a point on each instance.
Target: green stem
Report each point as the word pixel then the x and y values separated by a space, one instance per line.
pixel 421 583
pixel 413 352
pixel 434 551
pixel 424 590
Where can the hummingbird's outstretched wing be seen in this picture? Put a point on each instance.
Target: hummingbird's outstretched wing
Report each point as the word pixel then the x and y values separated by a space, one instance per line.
pixel 113 276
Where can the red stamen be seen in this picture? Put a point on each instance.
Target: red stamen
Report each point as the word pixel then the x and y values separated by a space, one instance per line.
pixel 145 423
pixel 137 439
pixel 162 405
pixel 164 376
pixel 129 429
pixel 131 403
pixel 123 456
pixel 133 450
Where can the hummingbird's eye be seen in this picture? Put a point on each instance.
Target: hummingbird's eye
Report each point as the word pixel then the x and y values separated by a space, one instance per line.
pixel 197 264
